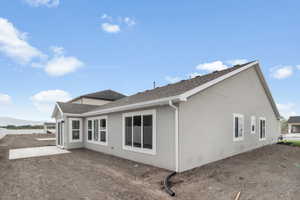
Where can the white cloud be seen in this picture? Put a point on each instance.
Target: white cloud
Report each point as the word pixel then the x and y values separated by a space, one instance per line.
pixel 48 3
pixel 110 28
pixel 5 99
pixel 193 75
pixel 61 65
pixel 287 110
pixel 212 66
pixel 107 17
pixel 114 25
pixel 104 16
pixel 44 101
pixel 37 65
pixel 237 61
pixel 281 72
pixel 14 45
pixel 57 50
pixel 129 21
pixel 171 79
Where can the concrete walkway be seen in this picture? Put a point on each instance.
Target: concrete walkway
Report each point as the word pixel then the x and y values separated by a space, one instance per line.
pixel 45 139
pixel 35 152
pixel 1 135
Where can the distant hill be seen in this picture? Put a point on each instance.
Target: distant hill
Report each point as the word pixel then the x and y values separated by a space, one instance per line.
pixel 4 121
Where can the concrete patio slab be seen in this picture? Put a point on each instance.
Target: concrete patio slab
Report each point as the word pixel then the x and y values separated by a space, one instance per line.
pixel 295 137
pixel 35 152
pixel 45 139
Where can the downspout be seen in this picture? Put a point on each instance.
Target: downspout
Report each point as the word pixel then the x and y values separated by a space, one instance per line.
pixel 176 136
pixel 166 182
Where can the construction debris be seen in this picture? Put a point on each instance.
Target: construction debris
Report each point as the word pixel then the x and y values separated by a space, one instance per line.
pixel 237 197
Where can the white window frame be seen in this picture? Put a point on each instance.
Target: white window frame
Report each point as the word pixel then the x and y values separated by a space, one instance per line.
pixel 262 139
pixel 235 139
pixel 106 131
pixel 136 149
pixel 71 130
pixel 253 123
pixel 99 133
pixel 62 137
pixel 87 130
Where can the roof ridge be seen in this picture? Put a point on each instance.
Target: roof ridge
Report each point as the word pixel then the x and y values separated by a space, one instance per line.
pixel 107 94
pixel 77 104
pixel 172 89
pixel 169 90
pixel 204 75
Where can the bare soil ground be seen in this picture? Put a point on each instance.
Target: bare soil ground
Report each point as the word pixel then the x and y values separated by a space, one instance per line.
pixel 27 140
pixel 271 172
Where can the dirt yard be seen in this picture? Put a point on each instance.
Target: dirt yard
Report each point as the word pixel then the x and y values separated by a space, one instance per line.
pixel 272 172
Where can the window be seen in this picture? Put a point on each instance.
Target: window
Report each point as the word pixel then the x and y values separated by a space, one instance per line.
pixel 238 127
pixel 90 130
pixel 75 129
pixel 253 124
pixel 128 131
pixel 97 130
pixel 103 130
pixel 139 131
pixel 147 131
pixel 262 128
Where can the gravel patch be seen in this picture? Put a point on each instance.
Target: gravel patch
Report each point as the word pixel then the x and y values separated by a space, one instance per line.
pixel 271 172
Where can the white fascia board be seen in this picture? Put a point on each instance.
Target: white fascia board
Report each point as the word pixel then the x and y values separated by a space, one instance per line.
pixel 268 92
pixel 163 101
pixel 215 81
pixel 54 111
pixel 72 115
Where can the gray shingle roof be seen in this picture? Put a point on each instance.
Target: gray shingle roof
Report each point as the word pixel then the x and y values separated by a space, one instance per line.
pixel 75 108
pixel 104 95
pixel 169 90
pixel 294 119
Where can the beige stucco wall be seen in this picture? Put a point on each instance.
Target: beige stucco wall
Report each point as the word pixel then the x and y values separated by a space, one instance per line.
pixel 206 120
pixel 205 126
pixel 165 142
pixel 90 101
pixel 79 101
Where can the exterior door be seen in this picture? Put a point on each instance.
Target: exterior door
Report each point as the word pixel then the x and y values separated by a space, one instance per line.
pixel 60 135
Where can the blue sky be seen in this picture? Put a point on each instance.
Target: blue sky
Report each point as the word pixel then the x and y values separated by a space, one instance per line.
pixel 58 49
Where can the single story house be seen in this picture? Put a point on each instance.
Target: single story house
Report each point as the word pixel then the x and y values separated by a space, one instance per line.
pixel 294 124
pixel 179 126
pixel 98 98
pixel 49 127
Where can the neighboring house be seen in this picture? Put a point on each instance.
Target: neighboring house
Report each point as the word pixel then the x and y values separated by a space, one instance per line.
pixel 49 127
pixel 294 124
pixel 179 126
pixel 98 98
